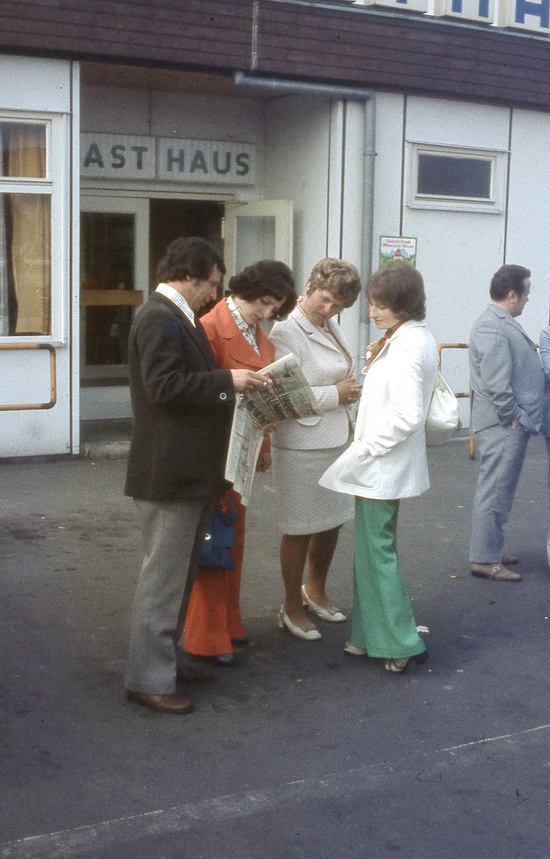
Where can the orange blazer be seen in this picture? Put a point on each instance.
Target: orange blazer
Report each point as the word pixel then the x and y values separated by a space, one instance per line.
pixel 230 346
pixel 232 349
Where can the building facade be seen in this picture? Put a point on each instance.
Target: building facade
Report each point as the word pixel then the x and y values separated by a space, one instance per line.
pixel 293 130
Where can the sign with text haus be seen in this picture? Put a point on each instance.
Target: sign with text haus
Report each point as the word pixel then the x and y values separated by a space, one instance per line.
pixel 122 156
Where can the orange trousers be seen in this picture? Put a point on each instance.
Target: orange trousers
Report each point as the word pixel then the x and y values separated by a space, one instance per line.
pixel 213 616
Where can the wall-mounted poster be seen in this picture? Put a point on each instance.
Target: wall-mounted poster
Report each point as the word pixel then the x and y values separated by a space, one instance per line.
pixel 397 247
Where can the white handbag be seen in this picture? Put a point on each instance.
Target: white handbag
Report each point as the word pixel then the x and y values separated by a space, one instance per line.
pixel 442 418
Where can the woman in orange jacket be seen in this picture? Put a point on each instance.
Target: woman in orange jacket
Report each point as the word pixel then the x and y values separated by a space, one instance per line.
pixel 264 290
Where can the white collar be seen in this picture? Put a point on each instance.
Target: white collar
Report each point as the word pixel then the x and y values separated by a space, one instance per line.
pixel 177 298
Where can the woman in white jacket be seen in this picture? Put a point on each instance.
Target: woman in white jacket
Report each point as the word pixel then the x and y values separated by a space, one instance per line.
pixel 387 461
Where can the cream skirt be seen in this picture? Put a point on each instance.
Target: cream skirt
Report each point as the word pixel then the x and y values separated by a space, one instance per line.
pixel 304 507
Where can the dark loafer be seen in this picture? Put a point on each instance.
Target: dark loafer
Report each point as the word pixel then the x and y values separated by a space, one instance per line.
pixel 224 660
pixel 174 703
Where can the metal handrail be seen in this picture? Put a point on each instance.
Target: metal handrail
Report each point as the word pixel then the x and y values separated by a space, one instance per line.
pixel 12 407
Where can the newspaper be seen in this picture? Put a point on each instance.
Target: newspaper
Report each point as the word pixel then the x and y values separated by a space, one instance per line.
pixel 244 449
pixel 289 397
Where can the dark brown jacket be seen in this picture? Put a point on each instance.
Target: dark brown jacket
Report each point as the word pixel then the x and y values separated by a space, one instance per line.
pixel 182 405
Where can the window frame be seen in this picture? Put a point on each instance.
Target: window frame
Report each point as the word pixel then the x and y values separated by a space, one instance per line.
pixel 498 159
pixel 52 185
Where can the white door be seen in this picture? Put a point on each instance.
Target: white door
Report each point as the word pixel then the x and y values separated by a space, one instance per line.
pixel 257 230
pixel 114 282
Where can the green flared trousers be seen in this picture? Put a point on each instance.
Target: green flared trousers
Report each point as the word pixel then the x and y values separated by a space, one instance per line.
pixel 382 621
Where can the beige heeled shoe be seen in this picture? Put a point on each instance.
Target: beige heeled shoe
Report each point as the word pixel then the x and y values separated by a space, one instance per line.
pixel 297 631
pixel 353 650
pixel 331 614
pixel 399 666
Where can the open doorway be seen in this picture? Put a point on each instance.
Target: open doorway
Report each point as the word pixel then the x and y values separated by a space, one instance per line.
pixel 169 219
pixel 121 244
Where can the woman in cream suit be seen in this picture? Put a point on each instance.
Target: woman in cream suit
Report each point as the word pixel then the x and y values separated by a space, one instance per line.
pixel 309 516
pixel 387 461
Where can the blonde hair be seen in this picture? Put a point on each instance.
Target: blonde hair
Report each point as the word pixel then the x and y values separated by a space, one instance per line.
pixel 339 277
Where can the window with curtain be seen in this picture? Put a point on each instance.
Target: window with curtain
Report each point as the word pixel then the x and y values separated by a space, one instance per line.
pixel 25 230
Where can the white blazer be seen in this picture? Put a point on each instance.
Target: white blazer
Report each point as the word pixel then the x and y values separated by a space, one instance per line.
pixel 323 364
pixel 387 458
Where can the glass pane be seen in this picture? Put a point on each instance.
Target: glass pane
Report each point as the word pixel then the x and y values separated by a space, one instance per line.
pixel 107 256
pixel 446 176
pixel 23 150
pixel 255 239
pixel 25 264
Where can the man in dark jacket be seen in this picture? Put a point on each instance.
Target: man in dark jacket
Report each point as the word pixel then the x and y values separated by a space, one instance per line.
pixel 183 406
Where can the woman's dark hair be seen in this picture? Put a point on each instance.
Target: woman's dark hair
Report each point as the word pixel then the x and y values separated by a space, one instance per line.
pixel 399 286
pixel 267 277
pixel 508 278
pixel 339 277
pixel 188 256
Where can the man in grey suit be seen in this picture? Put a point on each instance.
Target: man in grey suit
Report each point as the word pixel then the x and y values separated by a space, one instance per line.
pixel 183 406
pixel 507 384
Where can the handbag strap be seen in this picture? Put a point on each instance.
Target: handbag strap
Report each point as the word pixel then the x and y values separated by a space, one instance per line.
pixel 225 504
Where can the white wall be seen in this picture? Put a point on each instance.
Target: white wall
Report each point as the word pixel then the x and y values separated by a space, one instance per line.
pixel 34 84
pixel 296 161
pixel 457 252
pixel 137 111
pixel 314 155
pixel 43 87
pixel 528 235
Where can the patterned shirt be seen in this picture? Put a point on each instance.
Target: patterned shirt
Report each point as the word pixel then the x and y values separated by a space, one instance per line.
pixel 248 331
pixel 178 299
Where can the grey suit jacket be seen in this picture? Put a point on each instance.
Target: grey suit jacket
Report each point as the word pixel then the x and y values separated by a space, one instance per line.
pixel 506 376
pixel 544 343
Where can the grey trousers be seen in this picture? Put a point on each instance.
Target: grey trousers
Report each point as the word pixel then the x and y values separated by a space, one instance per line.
pixel 173 532
pixel 501 454
pixel 548 536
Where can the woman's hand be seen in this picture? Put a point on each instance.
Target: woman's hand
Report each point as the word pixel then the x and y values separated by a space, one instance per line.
pixel 264 461
pixel 248 380
pixel 349 391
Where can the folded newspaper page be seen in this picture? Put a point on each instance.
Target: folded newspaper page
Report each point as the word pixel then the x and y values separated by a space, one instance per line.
pixel 289 397
pixel 244 449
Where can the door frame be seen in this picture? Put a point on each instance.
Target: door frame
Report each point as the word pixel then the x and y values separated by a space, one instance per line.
pixel 102 403
pixel 282 213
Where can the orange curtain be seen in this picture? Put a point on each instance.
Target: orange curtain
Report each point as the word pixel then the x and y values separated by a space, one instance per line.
pixel 4 299
pixel 31 230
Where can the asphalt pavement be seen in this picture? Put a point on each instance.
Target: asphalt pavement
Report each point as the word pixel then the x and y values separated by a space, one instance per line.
pixel 298 750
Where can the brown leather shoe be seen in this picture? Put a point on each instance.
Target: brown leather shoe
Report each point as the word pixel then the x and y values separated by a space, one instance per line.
pixel 175 704
pixel 510 559
pixel 497 572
